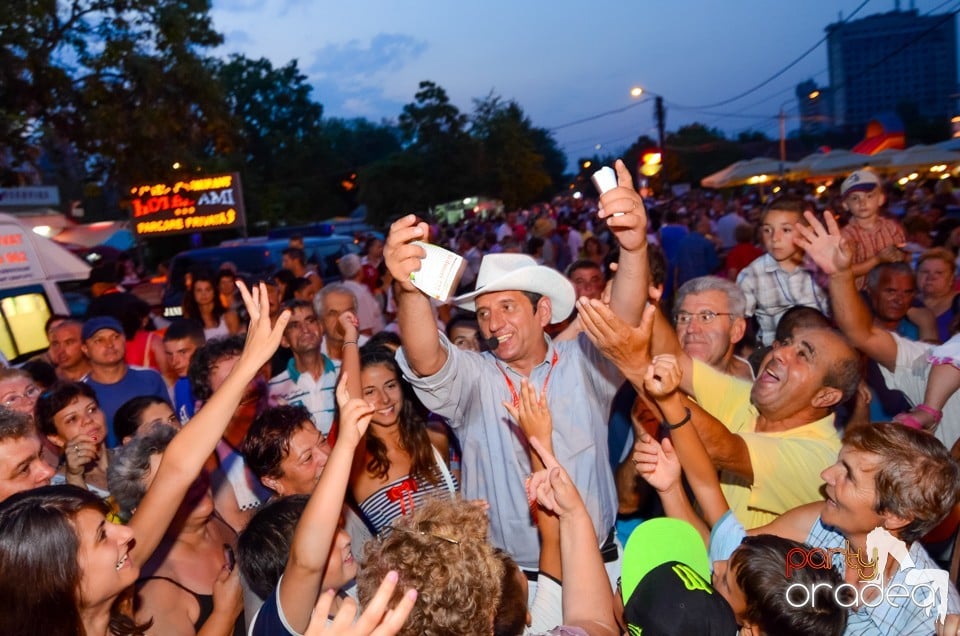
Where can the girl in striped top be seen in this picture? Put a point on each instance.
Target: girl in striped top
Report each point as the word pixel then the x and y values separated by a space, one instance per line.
pixel 402 462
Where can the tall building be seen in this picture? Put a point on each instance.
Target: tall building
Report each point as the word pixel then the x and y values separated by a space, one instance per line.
pixel 813 106
pixel 882 61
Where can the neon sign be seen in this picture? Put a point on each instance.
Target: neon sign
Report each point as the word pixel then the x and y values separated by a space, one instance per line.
pixel 207 203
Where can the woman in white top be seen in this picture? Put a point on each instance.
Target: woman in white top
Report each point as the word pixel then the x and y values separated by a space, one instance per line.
pixel 202 303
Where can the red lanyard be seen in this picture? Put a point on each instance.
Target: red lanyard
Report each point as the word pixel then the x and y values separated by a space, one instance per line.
pixel 531 501
pixel 513 390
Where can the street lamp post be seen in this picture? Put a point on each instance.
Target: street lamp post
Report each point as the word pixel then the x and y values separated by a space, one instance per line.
pixel 783 137
pixel 660 114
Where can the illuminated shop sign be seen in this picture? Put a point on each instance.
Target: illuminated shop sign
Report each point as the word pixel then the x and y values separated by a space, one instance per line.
pixel 208 203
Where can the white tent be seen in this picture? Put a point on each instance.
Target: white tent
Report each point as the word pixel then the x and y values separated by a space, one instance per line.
pixel 921 156
pixel 35 257
pixel 753 172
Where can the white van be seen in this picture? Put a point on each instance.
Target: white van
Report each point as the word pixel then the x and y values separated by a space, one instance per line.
pixel 30 268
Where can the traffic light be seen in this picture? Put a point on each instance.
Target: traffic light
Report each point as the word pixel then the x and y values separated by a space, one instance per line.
pixel 651 161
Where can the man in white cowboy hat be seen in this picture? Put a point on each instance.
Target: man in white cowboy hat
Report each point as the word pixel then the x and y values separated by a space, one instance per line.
pixel 515 300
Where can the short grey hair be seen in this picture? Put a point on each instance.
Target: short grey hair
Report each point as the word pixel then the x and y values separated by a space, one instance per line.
pixel 332 288
pixel 873 276
pixel 736 299
pixel 130 464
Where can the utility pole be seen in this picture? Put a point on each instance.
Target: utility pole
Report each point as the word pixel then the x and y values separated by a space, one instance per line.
pixel 783 140
pixel 661 115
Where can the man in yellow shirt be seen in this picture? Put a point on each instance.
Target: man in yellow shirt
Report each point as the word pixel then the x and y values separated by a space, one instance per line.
pixel 770 438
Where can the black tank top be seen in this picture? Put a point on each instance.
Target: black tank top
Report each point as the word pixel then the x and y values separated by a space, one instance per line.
pixel 205 601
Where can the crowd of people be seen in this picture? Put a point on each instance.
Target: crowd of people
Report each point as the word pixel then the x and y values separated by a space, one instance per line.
pixel 698 415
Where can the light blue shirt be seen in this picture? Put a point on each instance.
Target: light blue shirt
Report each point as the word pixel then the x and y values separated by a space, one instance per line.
pixel 469 391
pixel 900 617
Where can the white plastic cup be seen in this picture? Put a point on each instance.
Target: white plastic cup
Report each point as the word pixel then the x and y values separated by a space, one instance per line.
pixel 439 271
pixel 604 179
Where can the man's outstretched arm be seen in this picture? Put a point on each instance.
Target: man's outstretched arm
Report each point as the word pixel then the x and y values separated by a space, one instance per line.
pixel 421 342
pixel 831 252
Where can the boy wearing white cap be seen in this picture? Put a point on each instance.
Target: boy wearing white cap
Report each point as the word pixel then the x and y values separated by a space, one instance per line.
pixel 875 239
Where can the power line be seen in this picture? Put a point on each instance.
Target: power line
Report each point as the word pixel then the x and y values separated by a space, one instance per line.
pixel 738 113
pixel 599 115
pixel 682 107
pixel 825 70
pixel 783 70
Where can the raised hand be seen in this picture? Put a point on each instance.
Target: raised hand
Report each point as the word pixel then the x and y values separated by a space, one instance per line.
pixel 263 337
pixel 349 324
pixel 662 377
pixel 376 619
pixel 532 414
pixel 623 209
pixel 355 415
pixel 892 254
pixel 626 346
pixel 401 257
pixel 657 462
pixel 552 487
pixel 825 245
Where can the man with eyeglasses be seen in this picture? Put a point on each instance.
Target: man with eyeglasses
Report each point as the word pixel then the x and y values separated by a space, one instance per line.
pixel 770 438
pixel 709 315
pixel 111 378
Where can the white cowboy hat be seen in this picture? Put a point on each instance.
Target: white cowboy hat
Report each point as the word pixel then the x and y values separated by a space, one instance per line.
pixel 519 272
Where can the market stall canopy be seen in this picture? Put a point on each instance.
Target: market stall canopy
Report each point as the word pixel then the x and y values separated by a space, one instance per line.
pixel 719 178
pixel 111 233
pixel 45 222
pixel 837 163
pixel 57 263
pixel 921 157
pixel 950 144
pixel 751 172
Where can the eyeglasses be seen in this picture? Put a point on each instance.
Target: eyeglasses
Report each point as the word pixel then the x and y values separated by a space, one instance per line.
pixel 29 395
pixel 704 317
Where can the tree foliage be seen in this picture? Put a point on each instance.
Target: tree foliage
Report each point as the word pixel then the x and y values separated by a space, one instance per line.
pixel 447 155
pixel 122 81
pixel 510 161
pixel 113 93
pixel 695 151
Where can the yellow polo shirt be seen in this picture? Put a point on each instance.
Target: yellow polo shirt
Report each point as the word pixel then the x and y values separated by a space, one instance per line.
pixel 786 465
